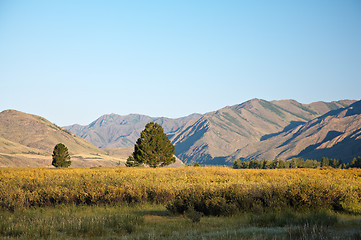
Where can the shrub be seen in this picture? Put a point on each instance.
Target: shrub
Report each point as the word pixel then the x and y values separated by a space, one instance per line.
pixel 193 215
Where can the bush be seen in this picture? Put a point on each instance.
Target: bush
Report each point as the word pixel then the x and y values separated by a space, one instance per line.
pixel 193 215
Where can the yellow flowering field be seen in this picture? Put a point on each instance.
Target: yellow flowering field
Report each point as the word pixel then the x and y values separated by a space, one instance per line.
pixel 211 190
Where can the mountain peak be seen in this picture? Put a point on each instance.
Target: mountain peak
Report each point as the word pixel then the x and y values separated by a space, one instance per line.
pixel 114 131
pixel 12 112
pixel 247 104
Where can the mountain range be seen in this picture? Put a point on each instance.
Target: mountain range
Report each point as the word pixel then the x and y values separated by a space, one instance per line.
pixel 219 134
pixel 255 129
pixel 336 134
pixel 217 137
pixel 115 131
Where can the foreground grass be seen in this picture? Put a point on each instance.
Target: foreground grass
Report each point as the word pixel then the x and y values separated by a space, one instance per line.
pixel 153 222
pixel 182 203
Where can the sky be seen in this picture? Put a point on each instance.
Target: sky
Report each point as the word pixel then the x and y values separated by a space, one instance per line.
pixel 73 61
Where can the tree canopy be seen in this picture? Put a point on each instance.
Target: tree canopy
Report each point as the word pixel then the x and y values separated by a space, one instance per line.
pixel 61 157
pixel 297 163
pixel 153 148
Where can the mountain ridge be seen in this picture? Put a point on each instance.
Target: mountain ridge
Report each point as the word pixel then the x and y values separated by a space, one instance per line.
pixel 114 131
pixel 237 126
pixel 253 129
pixel 336 134
pixel 211 137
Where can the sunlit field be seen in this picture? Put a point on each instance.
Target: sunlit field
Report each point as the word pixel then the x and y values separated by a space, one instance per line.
pixel 180 203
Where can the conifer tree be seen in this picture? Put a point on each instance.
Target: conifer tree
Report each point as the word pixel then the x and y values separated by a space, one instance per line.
pixel 325 162
pixel 356 162
pixel 61 157
pixel 153 148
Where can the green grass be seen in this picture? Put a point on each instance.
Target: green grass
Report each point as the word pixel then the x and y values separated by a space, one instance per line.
pixel 154 222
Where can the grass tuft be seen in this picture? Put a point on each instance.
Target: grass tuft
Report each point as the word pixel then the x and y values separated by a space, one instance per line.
pixel 291 218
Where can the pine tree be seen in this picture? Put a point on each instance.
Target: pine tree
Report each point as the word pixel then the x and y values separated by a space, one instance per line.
pixel 153 148
pixel 356 162
pixel 294 163
pixel 264 164
pixel 334 163
pixel 61 157
pixel 325 162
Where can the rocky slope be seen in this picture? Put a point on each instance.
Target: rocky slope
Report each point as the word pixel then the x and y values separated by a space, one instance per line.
pixel 216 135
pixel 115 131
pixel 337 134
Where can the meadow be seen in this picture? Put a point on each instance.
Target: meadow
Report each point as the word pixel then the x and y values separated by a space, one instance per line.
pixel 180 203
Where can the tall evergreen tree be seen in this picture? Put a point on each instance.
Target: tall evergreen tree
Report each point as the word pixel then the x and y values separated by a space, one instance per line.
pixel 61 157
pixel 264 164
pixel 153 148
pixel 356 162
pixel 294 163
pixel 325 162
pixel 334 163
pixel 237 164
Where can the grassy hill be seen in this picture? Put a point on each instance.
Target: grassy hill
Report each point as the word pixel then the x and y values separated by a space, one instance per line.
pixel 28 141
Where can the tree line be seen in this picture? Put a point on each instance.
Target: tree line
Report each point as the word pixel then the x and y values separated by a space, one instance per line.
pixel 296 163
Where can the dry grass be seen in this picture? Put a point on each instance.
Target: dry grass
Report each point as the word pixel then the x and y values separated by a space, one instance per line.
pixel 118 203
pixel 214 187
pixel 148 221
pixel 34 160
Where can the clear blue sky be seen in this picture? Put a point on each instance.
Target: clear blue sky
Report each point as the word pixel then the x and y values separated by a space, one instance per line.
pixel 72 61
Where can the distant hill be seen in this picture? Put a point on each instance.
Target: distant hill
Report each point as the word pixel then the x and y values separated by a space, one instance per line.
pixel 337 134
pixel 28 141
pixel 116 131
pixel 216 135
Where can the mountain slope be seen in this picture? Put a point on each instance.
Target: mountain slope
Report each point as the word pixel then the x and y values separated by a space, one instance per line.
pixel 337 134
pixel 218 134
pixel 28 140
pixel 115 131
